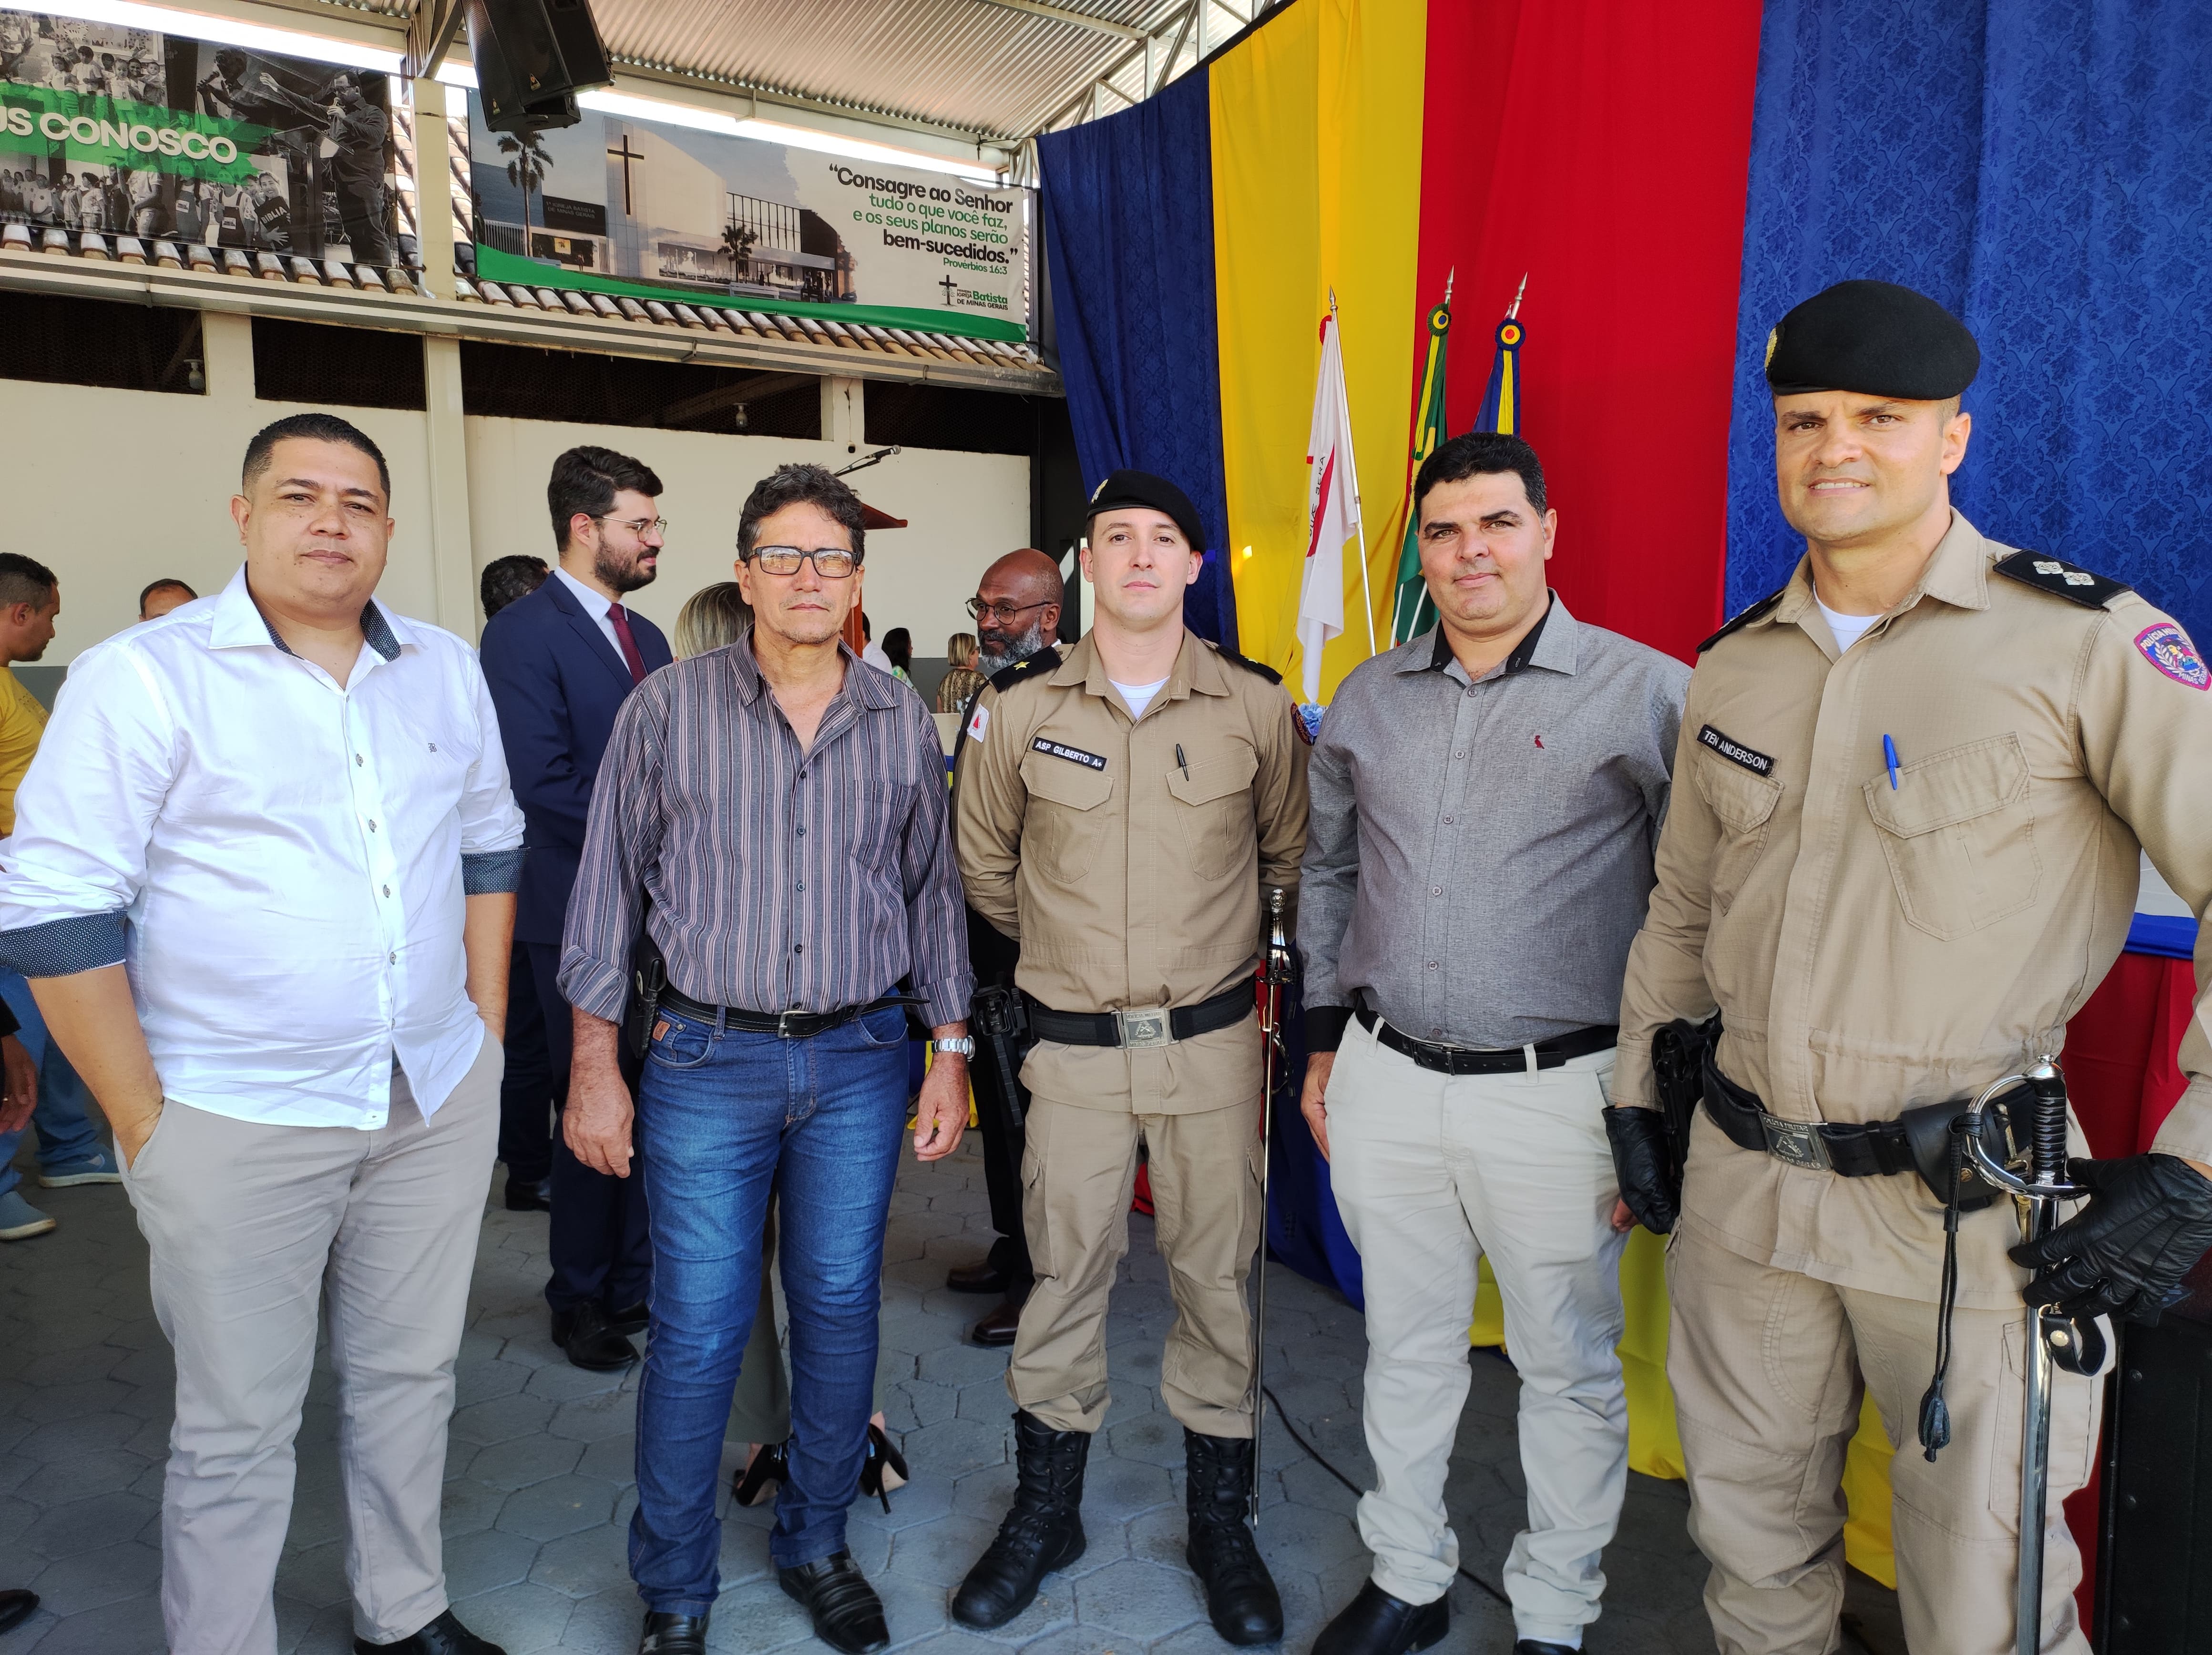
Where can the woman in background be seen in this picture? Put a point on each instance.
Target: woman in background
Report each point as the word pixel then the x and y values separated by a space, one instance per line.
pixel 961 681
pixel 710 618
pixel 898 644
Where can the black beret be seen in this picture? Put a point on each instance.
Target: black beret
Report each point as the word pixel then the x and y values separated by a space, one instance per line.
pixel 1876 339
pixel 1143 488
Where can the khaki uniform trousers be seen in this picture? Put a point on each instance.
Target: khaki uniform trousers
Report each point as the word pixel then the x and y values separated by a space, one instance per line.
pixel 257 1233
pixel 1078 1171
pixel 1769 1367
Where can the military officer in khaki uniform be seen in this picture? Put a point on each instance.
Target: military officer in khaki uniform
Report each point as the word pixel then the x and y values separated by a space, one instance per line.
pixel 1117 813
pixel 1879 938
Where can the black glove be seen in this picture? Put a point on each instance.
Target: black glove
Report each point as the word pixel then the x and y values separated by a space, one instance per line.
pixel 1643 1162
pixel 2149 1220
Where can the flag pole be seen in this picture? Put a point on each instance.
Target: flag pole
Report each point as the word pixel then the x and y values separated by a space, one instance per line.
pixel 1366 602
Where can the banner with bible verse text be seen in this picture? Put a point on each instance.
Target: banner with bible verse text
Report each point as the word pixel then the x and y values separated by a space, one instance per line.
pixel 620 205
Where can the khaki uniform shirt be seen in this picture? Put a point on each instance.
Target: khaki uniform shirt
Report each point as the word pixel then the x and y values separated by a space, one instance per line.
pixel 1872 950
pixel 1126 857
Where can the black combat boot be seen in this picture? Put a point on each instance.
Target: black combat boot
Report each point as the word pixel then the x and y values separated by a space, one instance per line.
pixel 1041 1533
pixel 1240 1595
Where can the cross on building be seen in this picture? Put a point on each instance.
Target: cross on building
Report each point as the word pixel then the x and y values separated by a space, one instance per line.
pixel 626 155
pixel 950 286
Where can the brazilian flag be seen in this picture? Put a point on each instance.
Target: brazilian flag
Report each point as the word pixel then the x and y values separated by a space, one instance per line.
pixel 1412 613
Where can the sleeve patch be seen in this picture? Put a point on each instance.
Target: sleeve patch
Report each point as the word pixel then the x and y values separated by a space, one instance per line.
pixel 2166 647
pixel 978 721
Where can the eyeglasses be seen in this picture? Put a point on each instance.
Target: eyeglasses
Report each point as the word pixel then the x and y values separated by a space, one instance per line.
pixel 830 562
pixel 1004 613
pixel 636 526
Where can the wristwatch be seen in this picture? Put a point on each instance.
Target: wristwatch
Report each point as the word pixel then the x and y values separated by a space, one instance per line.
pixel 964 1046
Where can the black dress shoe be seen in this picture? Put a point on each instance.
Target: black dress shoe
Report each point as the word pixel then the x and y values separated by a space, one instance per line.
pixel 529 1195
pixel 673 1634
pixel 1043 1531
pixel 1376 1623
pixel 444 1636
pixel 584 1335
pixel 1240 1599
pixel 630 1319
pixel 1539 1646
pixel 16 1606
pixel 983 1278
pixel 996 1330
pixel 847 1614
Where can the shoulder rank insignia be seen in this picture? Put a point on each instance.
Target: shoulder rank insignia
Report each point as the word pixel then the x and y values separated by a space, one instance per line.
pixel 1746 617
pixel 2061 579
pixel 1245 661
pixel 1030 666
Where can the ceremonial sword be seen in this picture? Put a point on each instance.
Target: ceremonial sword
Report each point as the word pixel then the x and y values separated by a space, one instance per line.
pixel 1276 968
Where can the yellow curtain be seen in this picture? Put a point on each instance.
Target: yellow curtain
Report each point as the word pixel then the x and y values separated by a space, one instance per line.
pixel 1316 184
pixel 1655 1447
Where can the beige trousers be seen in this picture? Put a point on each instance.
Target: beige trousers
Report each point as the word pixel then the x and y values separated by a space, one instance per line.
pixel 255 1231
pixel 1769 1367
pixel 1432 1172
pixel 1076 1174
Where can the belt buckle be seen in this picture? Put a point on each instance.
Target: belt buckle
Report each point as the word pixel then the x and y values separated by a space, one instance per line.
pixel 1797 1141
pixel 1144 1027
pixel 783 1024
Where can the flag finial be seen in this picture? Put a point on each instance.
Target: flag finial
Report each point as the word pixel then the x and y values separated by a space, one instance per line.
pixel 1514 309
pixel 1449 276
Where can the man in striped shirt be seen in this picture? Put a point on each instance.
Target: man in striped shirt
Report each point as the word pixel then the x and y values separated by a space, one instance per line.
pixel 788 813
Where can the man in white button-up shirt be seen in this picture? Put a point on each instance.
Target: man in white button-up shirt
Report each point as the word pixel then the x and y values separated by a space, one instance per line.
pixel 262 882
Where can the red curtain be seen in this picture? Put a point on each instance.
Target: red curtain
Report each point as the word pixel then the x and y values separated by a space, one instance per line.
pixel 1535 114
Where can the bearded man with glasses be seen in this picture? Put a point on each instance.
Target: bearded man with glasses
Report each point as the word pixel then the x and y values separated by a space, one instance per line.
pixel 561 663
pixel 787 812
pixel 1017 610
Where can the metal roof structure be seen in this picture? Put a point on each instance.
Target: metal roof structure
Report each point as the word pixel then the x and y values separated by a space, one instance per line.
pixel 989 73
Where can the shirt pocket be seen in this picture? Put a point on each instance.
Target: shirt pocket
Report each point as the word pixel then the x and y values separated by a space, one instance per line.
pixel 1743 803
pixel 1067 817
pixel 1216 811
pixel 1959 831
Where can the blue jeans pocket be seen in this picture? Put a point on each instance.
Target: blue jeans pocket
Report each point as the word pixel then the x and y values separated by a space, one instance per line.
pixel 882 1029
pixel 679 1043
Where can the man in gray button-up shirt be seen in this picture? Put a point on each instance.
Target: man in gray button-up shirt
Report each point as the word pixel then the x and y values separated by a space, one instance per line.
pixel 1486 800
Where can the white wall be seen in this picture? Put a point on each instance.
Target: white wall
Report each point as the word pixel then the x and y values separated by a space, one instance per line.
pixel 964 510
pixel 115 488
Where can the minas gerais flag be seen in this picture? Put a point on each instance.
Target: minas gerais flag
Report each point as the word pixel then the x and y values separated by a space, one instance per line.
pixel 1332 509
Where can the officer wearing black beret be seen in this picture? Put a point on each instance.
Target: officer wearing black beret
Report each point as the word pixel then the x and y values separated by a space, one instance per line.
pixel 1116 813
pixel 1902 851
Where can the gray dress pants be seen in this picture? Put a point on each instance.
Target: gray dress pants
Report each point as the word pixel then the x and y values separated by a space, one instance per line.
pixel 257 1232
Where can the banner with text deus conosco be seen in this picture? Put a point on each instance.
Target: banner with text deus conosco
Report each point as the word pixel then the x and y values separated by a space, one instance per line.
pixel 656 210
pixel 106 129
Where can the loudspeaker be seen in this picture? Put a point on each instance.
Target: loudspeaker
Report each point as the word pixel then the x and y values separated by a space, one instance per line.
pixel 531 57
pixel 2155 1575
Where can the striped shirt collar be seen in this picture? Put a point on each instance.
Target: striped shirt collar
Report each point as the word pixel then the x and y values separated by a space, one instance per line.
pixel 872 689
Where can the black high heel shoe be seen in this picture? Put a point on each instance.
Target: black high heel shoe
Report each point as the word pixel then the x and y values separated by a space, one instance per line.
pixel 884 1469
pixel 758 1482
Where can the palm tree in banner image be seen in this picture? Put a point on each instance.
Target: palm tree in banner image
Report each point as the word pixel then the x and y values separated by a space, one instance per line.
pixel 527 172
pixel 737 241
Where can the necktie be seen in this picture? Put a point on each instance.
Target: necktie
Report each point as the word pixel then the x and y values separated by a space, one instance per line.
pixel 620 622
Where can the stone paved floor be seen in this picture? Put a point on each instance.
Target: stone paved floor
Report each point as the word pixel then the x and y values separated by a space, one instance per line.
pixel 538 1485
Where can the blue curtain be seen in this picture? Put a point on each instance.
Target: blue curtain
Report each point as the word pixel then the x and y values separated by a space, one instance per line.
pixel 2044 167
pixel 1128 219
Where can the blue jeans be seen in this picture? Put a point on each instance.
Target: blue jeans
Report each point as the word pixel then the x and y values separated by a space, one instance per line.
pixel 66 1133
pixel 722 1118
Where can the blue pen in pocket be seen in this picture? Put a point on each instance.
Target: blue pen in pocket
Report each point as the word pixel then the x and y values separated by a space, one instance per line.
pixel 1889 758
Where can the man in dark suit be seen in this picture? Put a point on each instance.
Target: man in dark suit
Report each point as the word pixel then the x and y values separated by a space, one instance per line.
pixel 561 663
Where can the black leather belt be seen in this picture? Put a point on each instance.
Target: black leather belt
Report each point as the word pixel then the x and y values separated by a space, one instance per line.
pixel 792 1025
pixel 1157 1028
pixel 1913 1143
pixel 1476 1060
